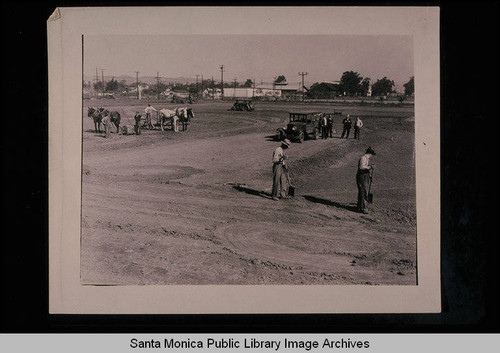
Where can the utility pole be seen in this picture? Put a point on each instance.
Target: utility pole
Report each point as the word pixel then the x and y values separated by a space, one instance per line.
pixel 96 79
pixel 158 84
pixel 302 74
pixel 197 90
pixel 202 86
pixel 222 81
pixel 96 76
pixel 102 73
pixel 234 88
pixel 137 83
pixel 213 88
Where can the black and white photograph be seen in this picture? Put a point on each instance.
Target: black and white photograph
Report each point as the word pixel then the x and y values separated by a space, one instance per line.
pixel 248 160
pixel 255 157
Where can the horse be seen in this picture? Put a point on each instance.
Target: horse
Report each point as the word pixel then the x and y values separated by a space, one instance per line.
pixel 96 115
pixel 185 115
pixel 115 118
pixel 166 114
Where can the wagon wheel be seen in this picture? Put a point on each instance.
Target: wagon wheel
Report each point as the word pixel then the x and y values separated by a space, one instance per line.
pixel 301 137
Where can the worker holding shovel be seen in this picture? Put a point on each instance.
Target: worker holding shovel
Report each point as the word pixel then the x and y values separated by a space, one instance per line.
pixel 279 170
pixel 364 179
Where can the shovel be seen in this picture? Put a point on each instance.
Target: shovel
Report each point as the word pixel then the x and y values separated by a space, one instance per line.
pixel 370 195
pixel 291 188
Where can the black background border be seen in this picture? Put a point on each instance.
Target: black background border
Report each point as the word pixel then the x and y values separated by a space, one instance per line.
pixel 469 91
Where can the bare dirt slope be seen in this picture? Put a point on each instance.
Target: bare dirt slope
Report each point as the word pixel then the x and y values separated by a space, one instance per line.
pixel 194 208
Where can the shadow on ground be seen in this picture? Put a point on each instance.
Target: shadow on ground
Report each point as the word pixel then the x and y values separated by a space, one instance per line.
pixel 272 138
pixel 251 191
pixel 348 207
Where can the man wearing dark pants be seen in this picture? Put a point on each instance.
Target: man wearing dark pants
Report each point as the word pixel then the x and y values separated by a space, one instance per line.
pixel 279 169
pixel 347 126
pixel 358 124
pixel 137 126
pixel 363 179
pixel 330 126
pixel 324 126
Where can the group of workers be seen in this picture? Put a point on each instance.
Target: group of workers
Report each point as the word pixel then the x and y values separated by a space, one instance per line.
pixel 347 124
pixel 148 119
pixel 325 126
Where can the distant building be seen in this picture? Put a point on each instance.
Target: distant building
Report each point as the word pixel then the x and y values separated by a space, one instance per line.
pixel 242 92
pixel 266 91
pixel 212 93
pixel 325 90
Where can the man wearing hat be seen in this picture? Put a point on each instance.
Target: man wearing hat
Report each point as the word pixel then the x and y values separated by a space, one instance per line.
pixel 279 166
pixel 363 179
pixel 347 122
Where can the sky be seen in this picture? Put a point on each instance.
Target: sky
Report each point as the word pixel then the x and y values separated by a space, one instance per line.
pixel 258 57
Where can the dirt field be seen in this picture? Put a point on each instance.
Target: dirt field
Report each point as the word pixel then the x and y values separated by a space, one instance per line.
pixel 194 207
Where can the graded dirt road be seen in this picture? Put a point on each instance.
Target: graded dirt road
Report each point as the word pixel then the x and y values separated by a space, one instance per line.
pixel 193 207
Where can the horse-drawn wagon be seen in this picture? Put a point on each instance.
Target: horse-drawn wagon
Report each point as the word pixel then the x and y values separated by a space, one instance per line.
pixel 171 119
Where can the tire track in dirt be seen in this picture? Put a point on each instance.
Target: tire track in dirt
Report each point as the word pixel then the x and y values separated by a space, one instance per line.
pixel 333 252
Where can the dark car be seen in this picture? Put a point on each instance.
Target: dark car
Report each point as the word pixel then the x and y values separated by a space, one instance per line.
pixel 301 125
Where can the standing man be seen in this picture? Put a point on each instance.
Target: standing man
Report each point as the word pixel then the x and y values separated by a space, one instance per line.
pixel 357 127
pixel 279 169
pixel 363 179
pixel 347 126
pixel 149 113
pixel 329 125
pixel 137 126
pixel 106 121
pixel 324 124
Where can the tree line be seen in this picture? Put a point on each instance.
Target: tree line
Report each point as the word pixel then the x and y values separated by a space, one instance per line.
pixel 351 84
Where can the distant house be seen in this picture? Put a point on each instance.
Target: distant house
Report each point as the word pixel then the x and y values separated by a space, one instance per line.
pixel 290 92
pixel 132 90
pixel 325 90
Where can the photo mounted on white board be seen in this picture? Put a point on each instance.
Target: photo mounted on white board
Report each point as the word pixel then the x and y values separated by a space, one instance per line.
pixel 218 167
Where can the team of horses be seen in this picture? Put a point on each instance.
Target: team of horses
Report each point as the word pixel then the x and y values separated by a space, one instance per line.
pixel 97 114
pixel 179 116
